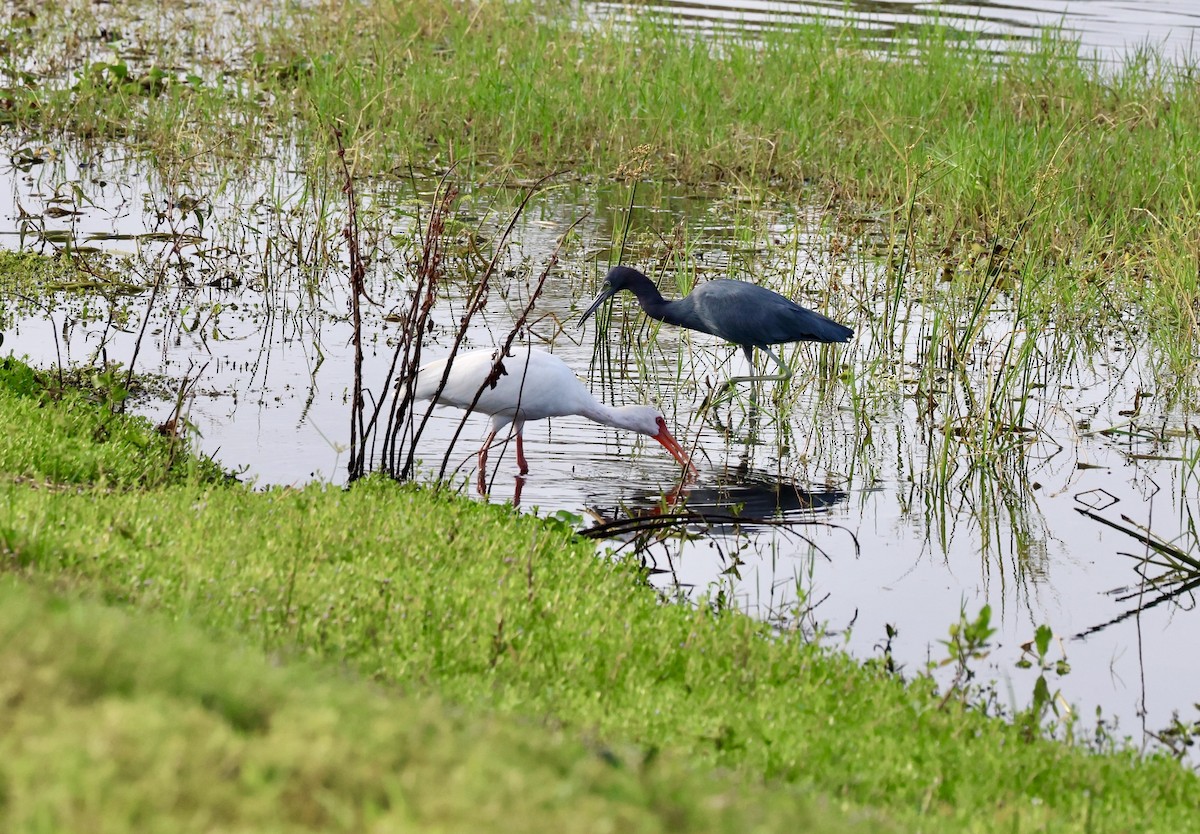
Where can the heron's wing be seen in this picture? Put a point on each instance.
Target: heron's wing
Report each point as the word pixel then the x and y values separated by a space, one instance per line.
pixel 747 314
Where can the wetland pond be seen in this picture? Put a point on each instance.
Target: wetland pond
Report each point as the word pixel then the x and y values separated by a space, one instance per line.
pixel 893 519
pixel 890 516
pixel 1108 30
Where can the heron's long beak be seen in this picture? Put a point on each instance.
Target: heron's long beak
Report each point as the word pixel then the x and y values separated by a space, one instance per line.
pixel 677 451
pixel 608 293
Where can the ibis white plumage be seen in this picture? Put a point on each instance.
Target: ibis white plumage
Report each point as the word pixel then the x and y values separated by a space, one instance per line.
pixel 533 385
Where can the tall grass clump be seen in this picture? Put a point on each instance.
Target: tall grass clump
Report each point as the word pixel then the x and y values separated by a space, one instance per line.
pixel 543 87
pixel 1077 172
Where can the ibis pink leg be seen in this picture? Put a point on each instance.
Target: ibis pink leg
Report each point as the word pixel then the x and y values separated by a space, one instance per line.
pixel 521 462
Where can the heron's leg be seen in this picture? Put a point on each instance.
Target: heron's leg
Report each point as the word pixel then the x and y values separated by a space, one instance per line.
pixel 784 373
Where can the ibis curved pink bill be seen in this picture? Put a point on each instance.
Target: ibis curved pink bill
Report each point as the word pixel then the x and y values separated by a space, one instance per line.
pixel 534 385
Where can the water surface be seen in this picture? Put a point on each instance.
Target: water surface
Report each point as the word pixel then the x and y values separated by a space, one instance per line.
pixel 1108 30
pixel 886 521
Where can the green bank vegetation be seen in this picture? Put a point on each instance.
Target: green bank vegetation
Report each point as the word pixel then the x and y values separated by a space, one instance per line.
pixel 121 721
pixel 514 674
pixel 453 665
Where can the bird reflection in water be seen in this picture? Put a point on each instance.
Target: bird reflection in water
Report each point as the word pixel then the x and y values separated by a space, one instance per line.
pixel 742 498
pixel 722 513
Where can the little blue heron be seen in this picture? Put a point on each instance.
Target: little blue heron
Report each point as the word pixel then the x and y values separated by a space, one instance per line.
pixel 533 386
pixel 745 314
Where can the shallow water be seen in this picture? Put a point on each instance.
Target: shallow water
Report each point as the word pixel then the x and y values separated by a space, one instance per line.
pixel 888 521
pixel 1108 30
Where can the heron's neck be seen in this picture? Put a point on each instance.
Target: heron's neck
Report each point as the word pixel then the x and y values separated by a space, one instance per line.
pixel 651 300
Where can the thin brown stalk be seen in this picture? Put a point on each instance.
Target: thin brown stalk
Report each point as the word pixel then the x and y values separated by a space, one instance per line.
pixel 518 327
pixel 358 269
pixel 475 304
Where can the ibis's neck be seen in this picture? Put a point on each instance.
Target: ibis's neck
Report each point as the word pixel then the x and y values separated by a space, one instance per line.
pixel 621 418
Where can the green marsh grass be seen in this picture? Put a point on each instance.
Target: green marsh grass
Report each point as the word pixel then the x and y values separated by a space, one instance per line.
pixel 121 721
pixel 511 617
pixel 71 436
pixel 1040 150
pixel 1037 175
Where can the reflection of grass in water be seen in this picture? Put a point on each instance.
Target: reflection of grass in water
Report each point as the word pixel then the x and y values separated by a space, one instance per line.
pixel 1168 570
pixel 979 359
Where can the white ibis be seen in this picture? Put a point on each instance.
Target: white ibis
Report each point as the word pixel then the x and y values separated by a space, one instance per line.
pixel 534 385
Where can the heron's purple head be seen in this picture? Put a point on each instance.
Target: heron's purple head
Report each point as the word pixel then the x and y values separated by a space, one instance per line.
pixel 618 278
pixel 623 278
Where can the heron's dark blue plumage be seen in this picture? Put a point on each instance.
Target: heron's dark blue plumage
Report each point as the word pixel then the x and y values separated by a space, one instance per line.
pixel 745 314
